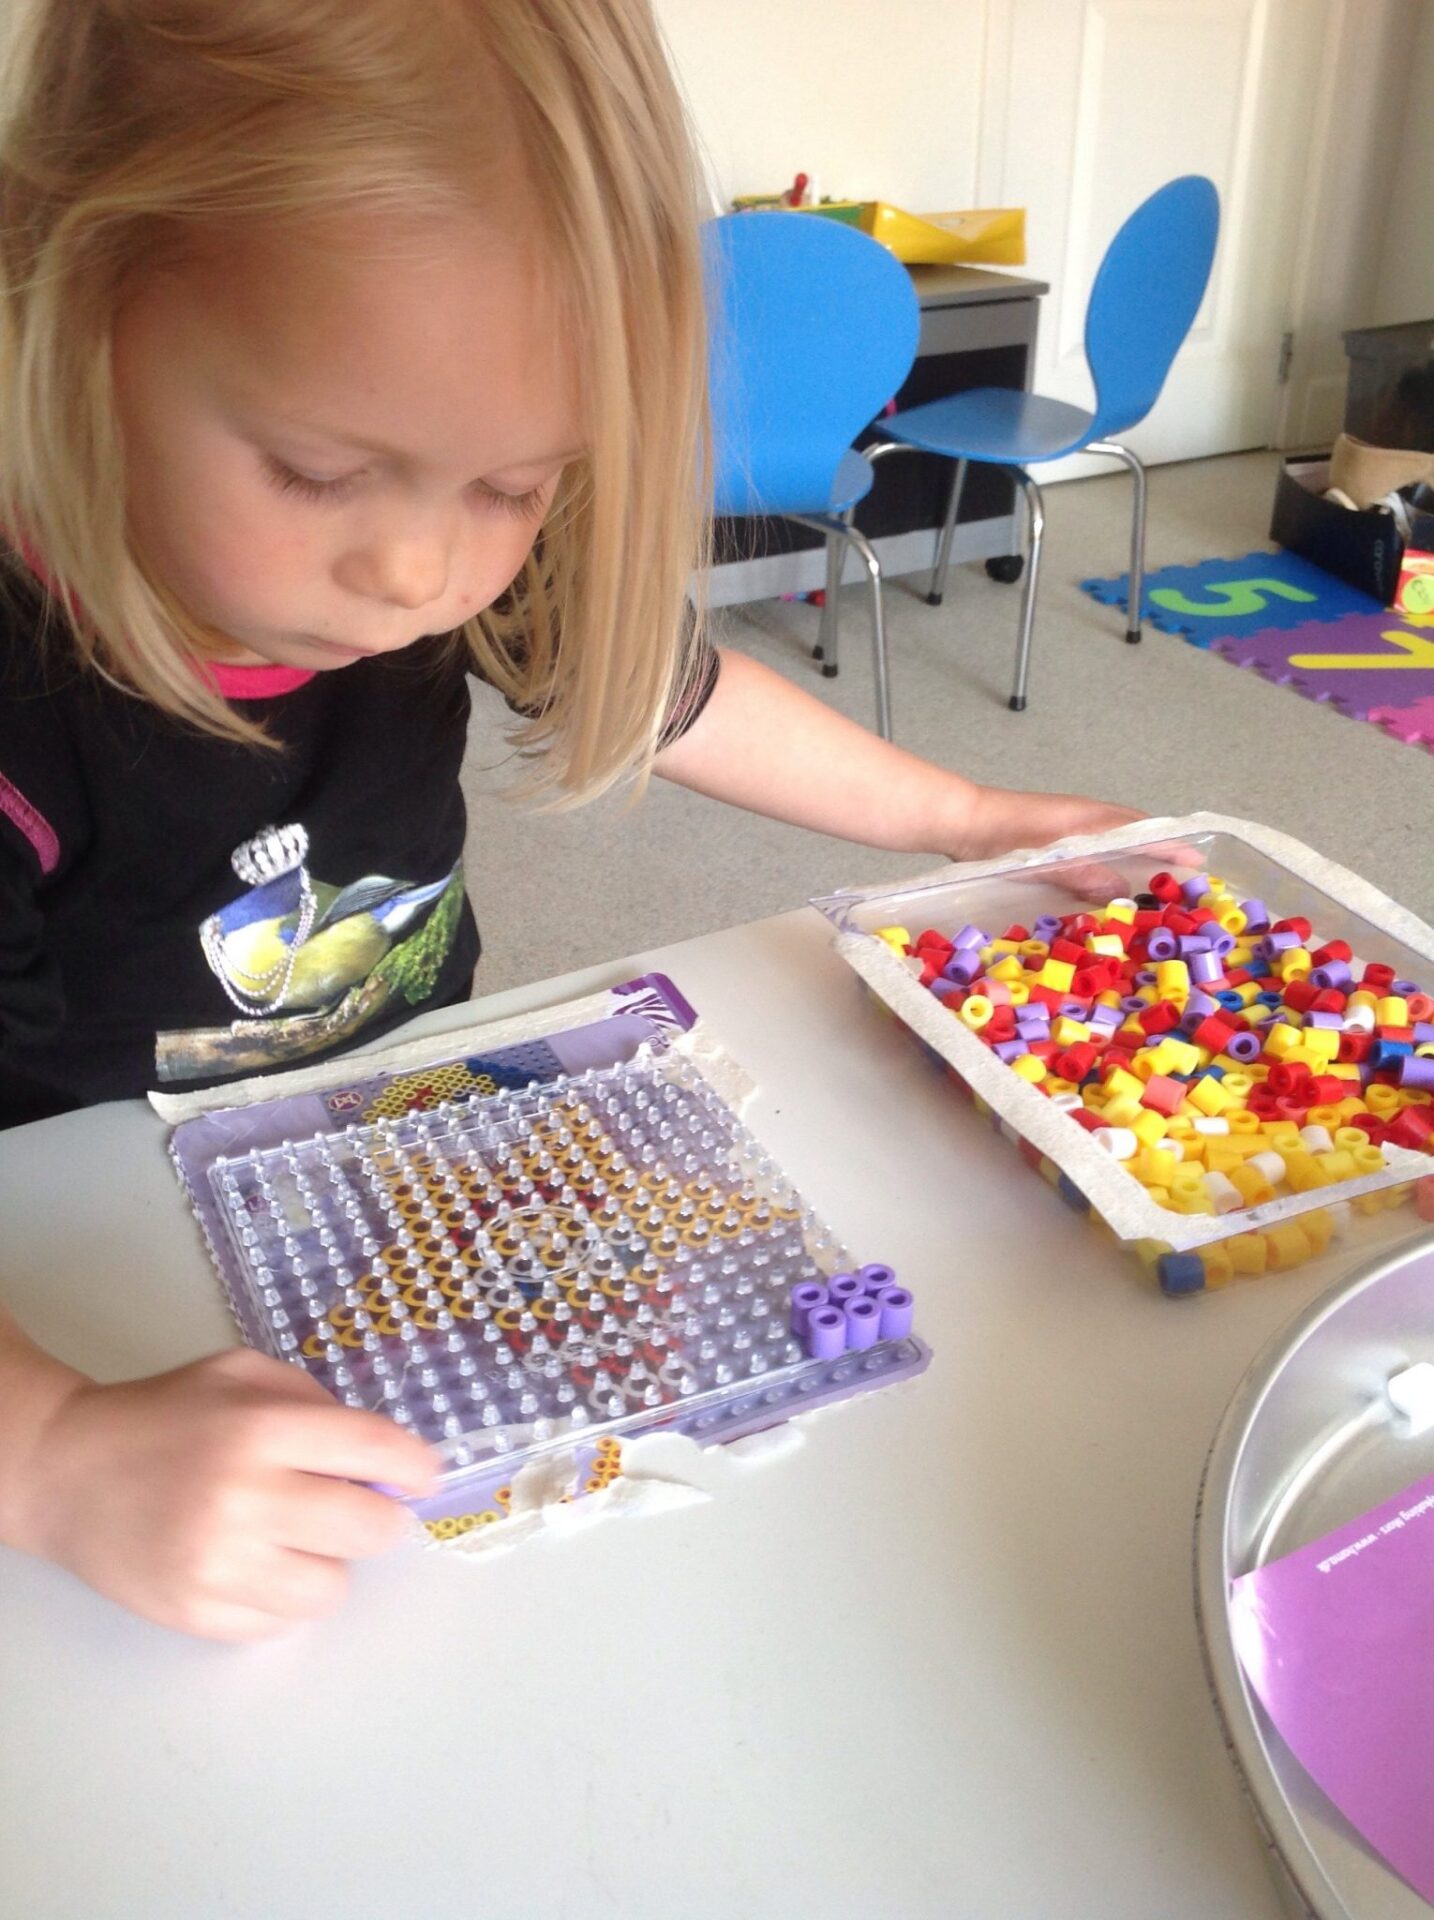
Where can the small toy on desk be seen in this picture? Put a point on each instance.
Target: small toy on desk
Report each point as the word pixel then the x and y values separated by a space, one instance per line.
pixel 586 1258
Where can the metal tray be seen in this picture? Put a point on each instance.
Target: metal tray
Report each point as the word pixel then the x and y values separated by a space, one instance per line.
pixel 1309 1442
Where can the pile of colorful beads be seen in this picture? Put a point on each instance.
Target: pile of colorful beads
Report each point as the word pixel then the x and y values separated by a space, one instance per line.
pixel 1223 1057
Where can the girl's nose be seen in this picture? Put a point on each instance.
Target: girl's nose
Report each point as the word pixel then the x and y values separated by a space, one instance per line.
pixel 410 572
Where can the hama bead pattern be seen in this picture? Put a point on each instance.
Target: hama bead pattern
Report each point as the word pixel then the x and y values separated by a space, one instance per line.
pixel 506 1272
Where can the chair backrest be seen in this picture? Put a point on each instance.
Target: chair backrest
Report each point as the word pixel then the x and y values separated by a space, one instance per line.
pixel 1145 298
pixel 812 328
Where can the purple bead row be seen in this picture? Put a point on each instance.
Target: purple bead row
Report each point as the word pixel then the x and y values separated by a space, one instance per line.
pixel 851 1312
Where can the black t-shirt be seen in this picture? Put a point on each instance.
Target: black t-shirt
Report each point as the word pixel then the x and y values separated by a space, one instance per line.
pixel 177 910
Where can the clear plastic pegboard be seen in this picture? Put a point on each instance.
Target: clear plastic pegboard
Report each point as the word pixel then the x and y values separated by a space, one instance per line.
pixel 611 1252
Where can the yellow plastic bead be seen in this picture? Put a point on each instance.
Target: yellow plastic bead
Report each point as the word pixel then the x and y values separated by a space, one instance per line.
pixel 1248 1252
pixel 1392 1011
pixel 1172 980
pixel 1287 1245
pixel 975 1012
pixel 1027 1066
pixel 1254 1189
pixel 1211 1096
pixel 895 937
pixel 1149 1126
pixel 1218 1264
pixel 1057 974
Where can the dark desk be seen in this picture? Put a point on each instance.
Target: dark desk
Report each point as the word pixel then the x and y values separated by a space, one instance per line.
pixel 978 329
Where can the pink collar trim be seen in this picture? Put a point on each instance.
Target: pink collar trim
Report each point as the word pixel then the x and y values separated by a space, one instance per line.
pixel 255 683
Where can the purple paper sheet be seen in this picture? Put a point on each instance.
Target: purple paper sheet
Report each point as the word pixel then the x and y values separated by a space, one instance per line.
pixel 1337 1640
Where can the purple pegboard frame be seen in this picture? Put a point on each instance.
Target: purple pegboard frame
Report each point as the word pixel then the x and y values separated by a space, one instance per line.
pixel 599 1255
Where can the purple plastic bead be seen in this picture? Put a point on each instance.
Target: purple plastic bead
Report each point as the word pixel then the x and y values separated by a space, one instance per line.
pixel 875 1275
pixel 826 1333
pixel 844 1287
pixel 1206 967
pixel 1334 973
pixel 1280 942
pixel 1324 1019
pixel 1243 1046
pixel 897 1311
pixel 1162 944
pixel 1192 889
pixel 961 969
pixel 1405 987
pixel 863 1323
pixel 943 988
pixel 804 1302
pixel 970 937
pixel 1257 915
pixel 1009 1050
pixel 1195 943
pixel 1416 1070
pixel 1423 1032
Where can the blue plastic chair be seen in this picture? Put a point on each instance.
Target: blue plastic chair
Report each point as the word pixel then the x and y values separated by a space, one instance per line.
pixel 1145 297
pixel 812 328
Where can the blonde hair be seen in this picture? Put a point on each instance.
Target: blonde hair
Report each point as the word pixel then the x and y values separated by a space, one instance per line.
pixel 135 123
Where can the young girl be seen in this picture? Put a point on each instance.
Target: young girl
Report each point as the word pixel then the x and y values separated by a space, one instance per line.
pixel 347 348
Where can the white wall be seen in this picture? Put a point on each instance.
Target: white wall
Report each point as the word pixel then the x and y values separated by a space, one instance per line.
pixel 1405 285
pixel 1361 112
pixel 871 100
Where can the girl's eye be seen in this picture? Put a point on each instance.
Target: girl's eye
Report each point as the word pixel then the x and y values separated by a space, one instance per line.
pixel 304 485
pixel 522 506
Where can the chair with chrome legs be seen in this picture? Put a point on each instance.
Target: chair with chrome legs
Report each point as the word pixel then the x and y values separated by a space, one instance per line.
pixel 812 328
pixel 1146 294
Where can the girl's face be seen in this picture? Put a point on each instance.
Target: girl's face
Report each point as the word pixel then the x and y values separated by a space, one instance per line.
pixel 340 440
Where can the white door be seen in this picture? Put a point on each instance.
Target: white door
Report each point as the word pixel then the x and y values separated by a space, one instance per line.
pixel 1089 105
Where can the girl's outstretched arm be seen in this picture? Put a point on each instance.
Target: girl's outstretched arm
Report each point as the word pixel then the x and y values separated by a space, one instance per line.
pixel 762 743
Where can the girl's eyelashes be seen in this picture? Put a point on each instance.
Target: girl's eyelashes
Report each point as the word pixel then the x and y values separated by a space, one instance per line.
pixel 287 480
pixel 522 506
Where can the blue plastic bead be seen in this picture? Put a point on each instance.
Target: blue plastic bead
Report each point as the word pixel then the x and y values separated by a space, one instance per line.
pixel 1181 1273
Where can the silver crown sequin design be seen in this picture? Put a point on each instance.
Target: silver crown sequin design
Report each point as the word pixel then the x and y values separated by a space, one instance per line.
pixel 272 852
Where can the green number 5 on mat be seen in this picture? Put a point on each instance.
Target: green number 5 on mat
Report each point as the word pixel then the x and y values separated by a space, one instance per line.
pixel 1228 599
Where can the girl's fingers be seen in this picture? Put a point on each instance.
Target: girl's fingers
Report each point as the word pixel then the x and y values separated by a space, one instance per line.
pixel 347 1444
pixel 335 1519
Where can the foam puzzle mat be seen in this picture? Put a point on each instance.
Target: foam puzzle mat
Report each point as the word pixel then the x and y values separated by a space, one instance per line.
pixel 1229 599
pixel 1377 667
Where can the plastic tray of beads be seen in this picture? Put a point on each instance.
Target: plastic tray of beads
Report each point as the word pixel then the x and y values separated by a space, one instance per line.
pixel 590 1256
pixel 1187 1253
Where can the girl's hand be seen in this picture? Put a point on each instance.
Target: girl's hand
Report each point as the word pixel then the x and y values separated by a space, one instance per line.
pixel 1001 820
pixel 223 1498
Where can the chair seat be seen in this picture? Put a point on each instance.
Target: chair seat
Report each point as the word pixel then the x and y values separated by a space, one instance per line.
pixel 999 424
pixel 851 482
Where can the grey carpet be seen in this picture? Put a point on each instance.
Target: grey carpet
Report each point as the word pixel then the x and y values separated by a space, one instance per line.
pixel 1165 727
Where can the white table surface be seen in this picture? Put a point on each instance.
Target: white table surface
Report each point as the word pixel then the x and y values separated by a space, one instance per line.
pixel 942 1661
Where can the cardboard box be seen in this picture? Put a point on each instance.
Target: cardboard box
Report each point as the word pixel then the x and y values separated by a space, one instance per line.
pixel 1364 549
